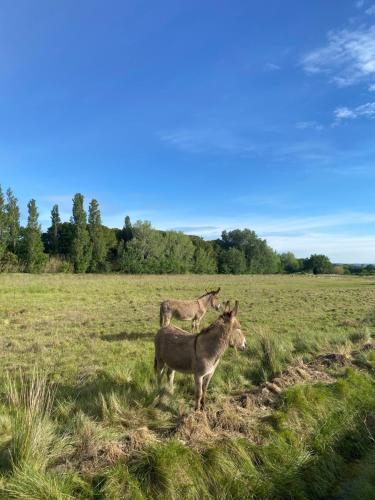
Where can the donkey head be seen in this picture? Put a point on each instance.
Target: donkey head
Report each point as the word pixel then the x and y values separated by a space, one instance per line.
pixel 236 337
pixel 214 300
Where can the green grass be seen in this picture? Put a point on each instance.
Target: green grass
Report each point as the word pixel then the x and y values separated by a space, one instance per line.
pixel 81 417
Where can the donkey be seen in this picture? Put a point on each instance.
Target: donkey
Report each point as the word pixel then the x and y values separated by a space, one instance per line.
pixel 178 350
pixel 189 309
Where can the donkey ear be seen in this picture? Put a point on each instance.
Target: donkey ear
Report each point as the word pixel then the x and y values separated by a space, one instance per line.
pixel 236 307
pixel 218 290
pixel 227 306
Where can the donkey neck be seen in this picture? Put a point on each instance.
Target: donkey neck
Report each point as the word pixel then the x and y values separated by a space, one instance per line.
pixel 215 341
pixel 204 302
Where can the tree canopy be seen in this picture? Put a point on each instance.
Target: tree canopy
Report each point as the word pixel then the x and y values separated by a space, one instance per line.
pixel 84 244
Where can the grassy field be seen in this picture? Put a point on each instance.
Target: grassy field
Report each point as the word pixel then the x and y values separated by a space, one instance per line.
pixel 81 416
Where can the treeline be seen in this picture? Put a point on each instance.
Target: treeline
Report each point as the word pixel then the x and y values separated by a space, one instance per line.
pixel 84 244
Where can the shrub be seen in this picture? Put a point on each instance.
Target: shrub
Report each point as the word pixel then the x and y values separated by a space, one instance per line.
pixel 57 264
pixel 9 263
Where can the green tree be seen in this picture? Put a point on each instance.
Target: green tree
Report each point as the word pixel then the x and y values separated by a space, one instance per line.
pixel 232 261
pixel 264 259
pixel 55 230
pixel 177 251
pixel 13 221
pixel 144 252
pixel 319 264
pixel 98 255
pixel 127 229
pixel 111 245
pixel 289 263
pixel 81 245
pixel 66 236
pixel 259 257
pixel 204 261
pixel 3 225
pixel 32 246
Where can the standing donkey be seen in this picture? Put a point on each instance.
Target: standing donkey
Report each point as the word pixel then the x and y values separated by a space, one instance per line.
pixel 177 350
pixel 187 310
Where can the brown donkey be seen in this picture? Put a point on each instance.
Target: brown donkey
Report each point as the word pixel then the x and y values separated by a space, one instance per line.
pixel 187 310
pixel 177 350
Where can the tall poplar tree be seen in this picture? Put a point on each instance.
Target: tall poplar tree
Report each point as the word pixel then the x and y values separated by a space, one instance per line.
pixel 54 230
pixel 81 245
pixel 13 220
pixel 98 261
pixel 3 225
pixel 127 230
pixel 32 246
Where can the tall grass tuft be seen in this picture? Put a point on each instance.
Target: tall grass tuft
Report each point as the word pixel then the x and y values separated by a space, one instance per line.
pixel 35 439
pixel 369 319
pixel 170 470
pixel 27 483
pixel 361 336
pixel 229 469
pixel 120 484
pixel 272 356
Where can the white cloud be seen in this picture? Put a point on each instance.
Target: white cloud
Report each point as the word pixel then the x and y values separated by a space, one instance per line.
pixel 359 4
pixel 364 110
pixel 371 10
pixel 271 67
pixel 343 112
pixel 348 57
pixel 309 125
pixel 372 87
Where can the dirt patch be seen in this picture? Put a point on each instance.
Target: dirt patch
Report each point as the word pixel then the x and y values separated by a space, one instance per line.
pixel 138 439
pixel 110 452
pixel 333 358
pixel 195 429
pixel 266 396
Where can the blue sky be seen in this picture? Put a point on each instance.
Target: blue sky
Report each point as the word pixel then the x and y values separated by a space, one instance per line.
pixel 197 115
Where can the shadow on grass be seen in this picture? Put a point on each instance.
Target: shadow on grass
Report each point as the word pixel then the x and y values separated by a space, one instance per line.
pixel 132 336
pixel 139 393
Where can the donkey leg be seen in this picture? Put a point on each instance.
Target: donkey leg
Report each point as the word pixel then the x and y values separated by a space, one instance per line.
pixel 170 376
pixel 167 319
pixel 159 371
pixel 198 390
pixel 195 324
pixel 205 383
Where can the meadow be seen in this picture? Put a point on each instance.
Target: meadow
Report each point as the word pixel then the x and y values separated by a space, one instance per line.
pixel 81 417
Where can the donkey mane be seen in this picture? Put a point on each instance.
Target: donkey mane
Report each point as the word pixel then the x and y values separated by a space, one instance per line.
pixel 219 322
pixel 212 292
